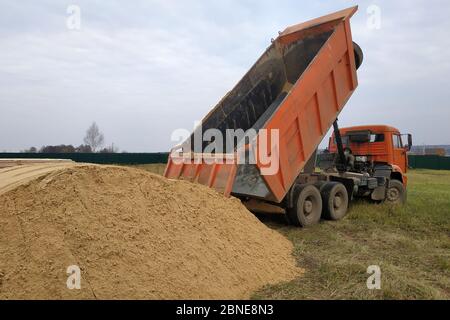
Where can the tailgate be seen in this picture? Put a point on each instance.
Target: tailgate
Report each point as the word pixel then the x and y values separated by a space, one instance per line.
pixel 213 170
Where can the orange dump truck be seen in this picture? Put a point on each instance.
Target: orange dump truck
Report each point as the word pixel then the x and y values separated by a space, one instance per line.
pixel 288 101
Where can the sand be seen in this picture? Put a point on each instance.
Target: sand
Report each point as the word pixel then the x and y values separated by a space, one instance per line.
pixel 134 235
pixel 14 174
pixel 11 162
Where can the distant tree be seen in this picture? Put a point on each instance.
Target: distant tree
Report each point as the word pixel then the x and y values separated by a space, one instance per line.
pixel 94 138
pixel 31 150
pixel 110 149
pixel 58 149
pixel 83 148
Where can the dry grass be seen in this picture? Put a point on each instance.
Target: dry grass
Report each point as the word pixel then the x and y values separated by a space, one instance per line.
pixel 411 244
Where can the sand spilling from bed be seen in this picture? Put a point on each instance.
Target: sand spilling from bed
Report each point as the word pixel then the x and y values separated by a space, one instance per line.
pixel 134 235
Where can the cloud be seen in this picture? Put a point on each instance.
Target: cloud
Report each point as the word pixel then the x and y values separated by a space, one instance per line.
pixel 145 68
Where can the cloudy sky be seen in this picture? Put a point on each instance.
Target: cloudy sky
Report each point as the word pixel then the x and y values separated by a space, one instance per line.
pixel 143 68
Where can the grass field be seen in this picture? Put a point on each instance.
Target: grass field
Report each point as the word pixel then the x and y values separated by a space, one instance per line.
pixel 411 244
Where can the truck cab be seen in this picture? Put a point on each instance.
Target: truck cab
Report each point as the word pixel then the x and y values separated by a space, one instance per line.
pixel 376 151
pixel 372 146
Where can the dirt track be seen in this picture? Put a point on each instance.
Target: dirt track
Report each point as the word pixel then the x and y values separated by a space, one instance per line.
pixel 13 176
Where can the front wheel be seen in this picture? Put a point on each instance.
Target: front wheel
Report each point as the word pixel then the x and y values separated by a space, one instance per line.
pixel 307 206
pixel 396 192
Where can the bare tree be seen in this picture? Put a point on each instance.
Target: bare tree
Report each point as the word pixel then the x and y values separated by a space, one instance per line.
pixel 94 138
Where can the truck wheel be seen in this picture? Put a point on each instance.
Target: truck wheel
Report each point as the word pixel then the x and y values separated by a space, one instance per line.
pixel 396 192
pixel 319 184
pixel 358 54
pixel 307 206
pixel 335 200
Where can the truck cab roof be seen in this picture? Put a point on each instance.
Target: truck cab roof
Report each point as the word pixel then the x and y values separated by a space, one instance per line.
pixel 374 128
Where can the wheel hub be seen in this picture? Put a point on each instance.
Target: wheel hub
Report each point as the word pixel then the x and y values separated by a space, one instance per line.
pixel 308 206
pixel 393 194
pixel 337 201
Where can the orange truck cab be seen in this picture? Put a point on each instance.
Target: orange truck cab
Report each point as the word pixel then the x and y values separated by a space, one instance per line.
pixel 377 153
pixel 375 145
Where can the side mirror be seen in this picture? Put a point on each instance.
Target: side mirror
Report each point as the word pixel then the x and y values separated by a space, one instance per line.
pixel 409 145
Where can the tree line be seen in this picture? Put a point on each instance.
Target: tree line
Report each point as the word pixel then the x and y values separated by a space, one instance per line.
pixel 93 142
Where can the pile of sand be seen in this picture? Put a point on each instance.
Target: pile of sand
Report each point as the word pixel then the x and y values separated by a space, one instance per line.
pixel 134 235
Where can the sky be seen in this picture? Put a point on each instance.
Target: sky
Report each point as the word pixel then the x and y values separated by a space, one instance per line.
pixel 142 69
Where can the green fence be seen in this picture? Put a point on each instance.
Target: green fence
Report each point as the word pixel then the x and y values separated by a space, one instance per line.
pixel 415 161
pixel 429 162
pixel 101 158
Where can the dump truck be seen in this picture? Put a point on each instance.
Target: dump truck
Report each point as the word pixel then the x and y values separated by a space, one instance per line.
pixel 288 101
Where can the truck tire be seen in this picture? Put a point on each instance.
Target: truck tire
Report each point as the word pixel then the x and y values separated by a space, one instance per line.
pixel 396 192
pixel 358 55
pixel 334 200
pixel 319 184
pixel 307 206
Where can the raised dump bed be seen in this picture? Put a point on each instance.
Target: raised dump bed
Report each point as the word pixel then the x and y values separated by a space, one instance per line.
pixel 298 86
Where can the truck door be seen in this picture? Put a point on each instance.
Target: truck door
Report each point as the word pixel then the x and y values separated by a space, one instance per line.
pixel 399 151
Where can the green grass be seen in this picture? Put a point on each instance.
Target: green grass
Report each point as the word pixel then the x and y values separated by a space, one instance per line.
pixel 411 244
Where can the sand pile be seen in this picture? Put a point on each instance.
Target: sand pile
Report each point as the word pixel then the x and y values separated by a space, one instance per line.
pixel 134 235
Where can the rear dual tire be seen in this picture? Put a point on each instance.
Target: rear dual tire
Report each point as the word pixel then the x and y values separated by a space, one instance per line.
pixel 335 200
pixel 307 208
pixel 310 204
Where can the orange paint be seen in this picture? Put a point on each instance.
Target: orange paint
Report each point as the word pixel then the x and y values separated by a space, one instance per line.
pixel 306 113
